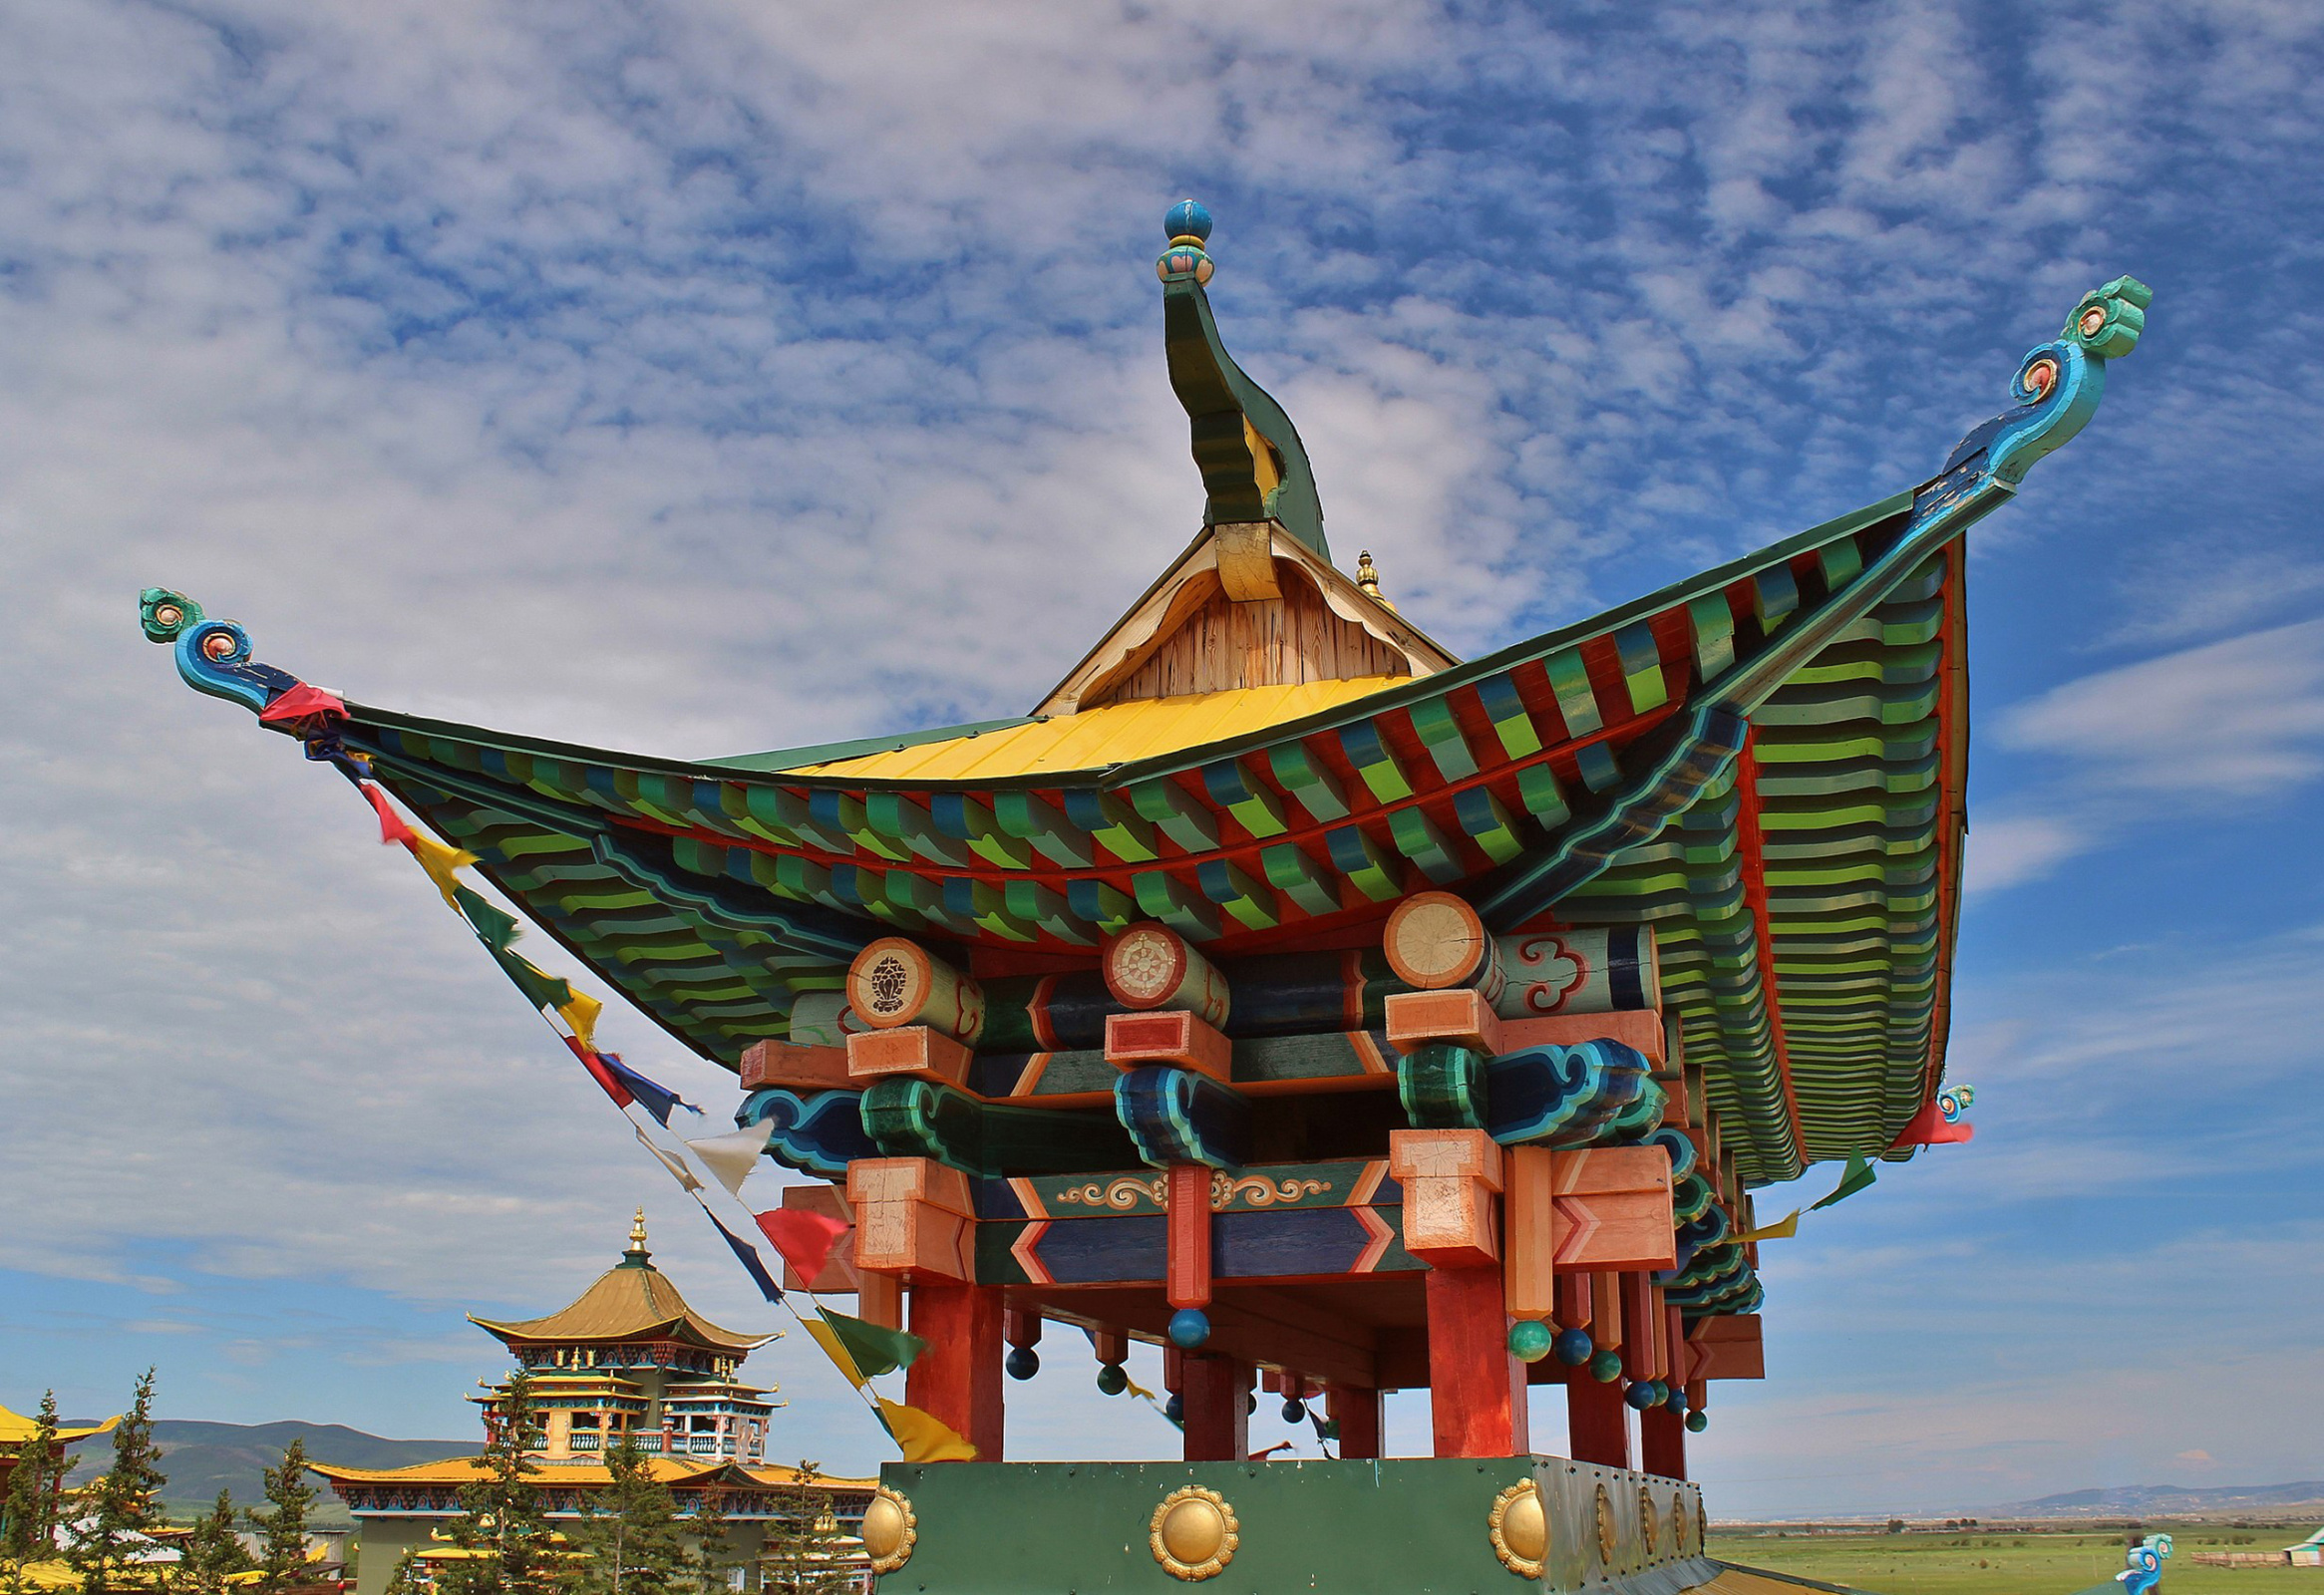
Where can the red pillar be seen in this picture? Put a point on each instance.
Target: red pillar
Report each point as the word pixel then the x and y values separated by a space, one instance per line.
pixel 957 1380
pixel 1357 1412
pixel 1476 1389
pixel 1214 1399
pixel 1597 1431
pixel 1662 1442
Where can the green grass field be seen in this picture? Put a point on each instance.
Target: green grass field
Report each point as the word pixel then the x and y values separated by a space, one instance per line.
pixel 1997 1563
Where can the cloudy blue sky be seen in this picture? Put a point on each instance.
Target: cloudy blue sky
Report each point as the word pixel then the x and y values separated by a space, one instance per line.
pixel 696 377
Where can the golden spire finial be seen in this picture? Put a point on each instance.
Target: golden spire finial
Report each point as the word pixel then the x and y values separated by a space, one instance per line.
pixel 1368 580
pixel 637 1235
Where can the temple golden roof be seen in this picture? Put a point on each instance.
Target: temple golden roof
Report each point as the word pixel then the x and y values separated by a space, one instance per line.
pixel 16 1429
pixel 631 1300
pixel 662 1469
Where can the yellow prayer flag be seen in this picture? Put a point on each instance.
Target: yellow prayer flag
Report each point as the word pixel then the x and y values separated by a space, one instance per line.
pixel 836 1350
pixel 1782 1229
pixel 581 1015
pixel 1133 1387
pixel 442 863
pixel 922 1438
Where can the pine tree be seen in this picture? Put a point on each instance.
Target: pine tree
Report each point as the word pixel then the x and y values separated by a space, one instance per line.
pixel 123 1503
pixel 715 1557
pixel 213 1551
pixel 633 1537
pixel 28 1517
pixel 283 1525
pixel 500 1511
pixel 802 1538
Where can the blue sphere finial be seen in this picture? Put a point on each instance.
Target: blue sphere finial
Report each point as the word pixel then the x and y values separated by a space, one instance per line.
pixel 1188 1328
pixel 1188 220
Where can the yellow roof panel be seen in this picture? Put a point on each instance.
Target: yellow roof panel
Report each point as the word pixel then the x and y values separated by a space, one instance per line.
pixel 16 1429
pixel 1116 734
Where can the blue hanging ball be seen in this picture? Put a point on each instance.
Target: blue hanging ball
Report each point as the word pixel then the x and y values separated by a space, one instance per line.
pixel 1574 1347
pixel 1606 1366
pixel 1676 1400
pixel 1188 220
pixel 1023 1363
pixel 1294 1411
pixel 1175 1408
pixel 1188 1328
pixel 1662 1393
pixel 1112 1380
pixel 1529 1340
pixel 1640 1394
pixel 1697 1421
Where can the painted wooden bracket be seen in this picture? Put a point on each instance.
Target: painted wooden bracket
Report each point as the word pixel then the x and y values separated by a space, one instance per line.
pixel 910 1117
pixel 1176 1117
pixel 1730 1346
pixel 1442 1087
pixel 914 1051
pixel 1449 1177
pixel 1187 1280
pixel 912 1218
pixel 1529 1276
pixel 779 1062
pixel 1173 1037
pixel 1613 1208
pixel 815 1131
pixel 1462 1017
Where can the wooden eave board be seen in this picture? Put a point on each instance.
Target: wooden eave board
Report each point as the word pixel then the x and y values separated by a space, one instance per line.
pixel 679 884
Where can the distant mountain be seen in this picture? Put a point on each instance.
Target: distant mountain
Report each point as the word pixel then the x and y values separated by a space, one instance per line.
pixel 202 1458
pixel 2170 1501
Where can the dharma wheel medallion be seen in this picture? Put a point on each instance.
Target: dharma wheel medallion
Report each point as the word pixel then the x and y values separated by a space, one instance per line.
pixel 1193 1533
pixel 889 1530
pixel 1519 1531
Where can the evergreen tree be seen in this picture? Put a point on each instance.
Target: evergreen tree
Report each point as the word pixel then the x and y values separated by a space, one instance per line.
pixel 123 1503
pixel 801 1539
pixel 633 1537
pixel 500 1510
pixel 283 1524
pixel 715 1559
pixel 28 1516
pixel 213 1551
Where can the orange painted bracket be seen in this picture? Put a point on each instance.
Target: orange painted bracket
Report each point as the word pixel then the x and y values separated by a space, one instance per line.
pixel 913 1217
pixel 1730 1347
pixel 1530 1263
pixel 1171 1035
pixel 912 1050
pixel 1187 1263
pixel 1640 1028
pixel 779 1062
pixel 1418 1018
pixel 1614 1208
pixel 1449 1177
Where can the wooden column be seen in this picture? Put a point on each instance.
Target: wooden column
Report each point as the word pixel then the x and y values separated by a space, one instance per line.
pixel 1214 1395
pixel 1596 1426
pixel 1188 1277
pixel 1662 1442
pixel 1357 1412
pixel 957 1380
pixel 1476 1389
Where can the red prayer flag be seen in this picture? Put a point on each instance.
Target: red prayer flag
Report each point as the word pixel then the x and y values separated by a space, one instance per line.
pixel 391 829
pixel 600 1074
pixel 300 702
pixel 1929 1129
pixel 804 1240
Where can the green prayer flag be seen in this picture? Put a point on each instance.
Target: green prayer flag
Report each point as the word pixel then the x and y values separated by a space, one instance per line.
pixel 1859 1175
pixel 493 928
pixel 875 1350
pixel 544 991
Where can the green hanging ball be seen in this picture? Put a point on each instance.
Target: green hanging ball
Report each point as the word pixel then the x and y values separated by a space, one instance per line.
pixel 1606 1366
pixel 1697 1421
pixel 1113 1379
pixel 1529 1340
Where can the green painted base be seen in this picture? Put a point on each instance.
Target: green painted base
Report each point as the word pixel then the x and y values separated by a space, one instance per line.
pixel 1416 1527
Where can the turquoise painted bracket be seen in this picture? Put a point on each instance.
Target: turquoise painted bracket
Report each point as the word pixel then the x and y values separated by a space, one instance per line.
pixel 213 656
pixel 1176 1116
pixel 816 1132
pixel 1253 465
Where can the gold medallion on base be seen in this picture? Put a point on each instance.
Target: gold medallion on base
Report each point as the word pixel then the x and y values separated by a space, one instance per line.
pixel 1519 1531
pixel 889 1530
pixel 1193 1533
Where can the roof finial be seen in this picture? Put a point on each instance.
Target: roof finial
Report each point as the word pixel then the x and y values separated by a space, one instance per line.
pixel 1188 227
pixel 638 1240
pixel 1368 579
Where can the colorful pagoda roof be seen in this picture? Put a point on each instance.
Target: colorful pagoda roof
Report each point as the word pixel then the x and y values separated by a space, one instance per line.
pixel 631 1300
pixel 1765 762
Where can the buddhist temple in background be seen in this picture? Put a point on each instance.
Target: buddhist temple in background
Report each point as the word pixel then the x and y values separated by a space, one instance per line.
pixel 630 1359
pixel 1281 991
